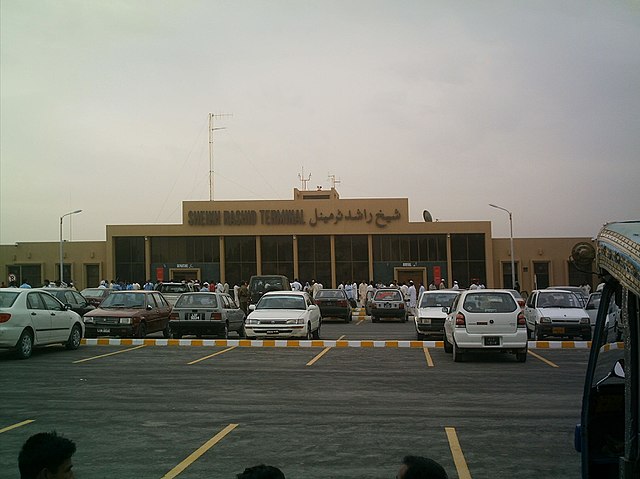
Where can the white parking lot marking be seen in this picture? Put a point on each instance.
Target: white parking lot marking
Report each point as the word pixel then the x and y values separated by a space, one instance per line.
pixel 14 426
pixel 456 452
pixel 199 452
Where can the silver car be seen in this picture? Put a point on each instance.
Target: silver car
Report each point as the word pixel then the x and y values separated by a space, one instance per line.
pixel 206 313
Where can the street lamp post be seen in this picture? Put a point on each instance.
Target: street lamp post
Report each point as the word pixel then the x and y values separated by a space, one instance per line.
pixel 61 252
pixel 513 263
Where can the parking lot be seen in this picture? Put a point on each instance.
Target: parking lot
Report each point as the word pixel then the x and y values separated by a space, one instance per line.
pixel 141 410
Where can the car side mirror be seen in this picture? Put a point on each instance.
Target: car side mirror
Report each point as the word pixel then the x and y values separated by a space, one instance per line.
pixel 252 307
pixel 149 308
pixel 445 309
pixel 67 306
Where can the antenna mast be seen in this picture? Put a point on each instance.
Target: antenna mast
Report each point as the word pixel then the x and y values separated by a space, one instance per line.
pixel 213 116
pixel 334 181
pixel 303 180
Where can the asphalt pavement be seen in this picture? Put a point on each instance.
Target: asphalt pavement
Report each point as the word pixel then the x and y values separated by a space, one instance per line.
pixel 209 412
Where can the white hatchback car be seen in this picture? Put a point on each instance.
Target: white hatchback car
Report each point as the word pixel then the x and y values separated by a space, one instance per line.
pixel 556 313
pixel 31 318
pixel 485 320
pixel 278 314
pixel 430 316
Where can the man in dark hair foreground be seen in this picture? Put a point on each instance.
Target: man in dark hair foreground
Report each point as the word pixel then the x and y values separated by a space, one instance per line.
pixel 46 456
pixel 416 467
pixel 261 472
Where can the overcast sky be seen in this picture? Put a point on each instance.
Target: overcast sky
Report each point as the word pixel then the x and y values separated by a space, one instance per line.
pixel 534 106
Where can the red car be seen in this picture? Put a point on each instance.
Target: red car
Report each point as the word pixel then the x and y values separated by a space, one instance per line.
pixel 95 296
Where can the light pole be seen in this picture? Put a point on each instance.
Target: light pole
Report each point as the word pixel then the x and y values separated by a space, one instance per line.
pixel 513 263
pixel 61 253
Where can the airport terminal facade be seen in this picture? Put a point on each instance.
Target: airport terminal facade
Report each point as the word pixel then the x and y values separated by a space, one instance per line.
pixel 315 236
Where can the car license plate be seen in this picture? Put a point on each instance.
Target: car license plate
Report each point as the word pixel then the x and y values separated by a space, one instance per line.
pixel 104 330
pixel 387 305
pixel 557 330
pixel 273 331
pixel 195 316
pixel 426 320
pixel 492 341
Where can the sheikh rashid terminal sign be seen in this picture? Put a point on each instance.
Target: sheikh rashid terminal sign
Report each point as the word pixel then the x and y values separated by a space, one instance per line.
pixel 380 219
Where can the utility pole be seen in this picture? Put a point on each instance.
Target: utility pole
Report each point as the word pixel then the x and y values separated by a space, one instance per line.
pixel 303 180
pixel 212 117
pixel 333 180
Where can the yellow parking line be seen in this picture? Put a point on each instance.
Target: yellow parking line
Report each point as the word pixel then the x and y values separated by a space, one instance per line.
pixel 109 354
pixel 360 322
pixel 537 356
pixel 428 357
pixel 456 452
pixel 322 353
pixel 199 452
pixel 20 424
pixel 212 355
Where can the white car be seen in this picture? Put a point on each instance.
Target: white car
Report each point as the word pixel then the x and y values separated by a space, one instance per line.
pixel 31 318
pixel 290 314
pixel 485 320
pixel 613 316
pixel 430 316
pixel 556 313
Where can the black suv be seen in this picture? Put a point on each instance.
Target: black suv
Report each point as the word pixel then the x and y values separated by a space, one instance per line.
pixel 260 284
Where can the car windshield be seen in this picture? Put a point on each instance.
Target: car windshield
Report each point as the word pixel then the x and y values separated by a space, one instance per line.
pixel 7 298
pixel 124 300
pixel 437 300
pixel 174 288
pixel 197 300
pixel 263 285
pixel 388 296
pixel 281 302
pixel 490 303
pixel 558 299
pixel 594 301
pixel 94 293
pixel 328 294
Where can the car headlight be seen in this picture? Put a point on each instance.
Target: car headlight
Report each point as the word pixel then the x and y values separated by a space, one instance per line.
pixel 295 321
pixel 253 321
pixel 584 321
pixel 88 319
pixel 125 321
pixel 545 320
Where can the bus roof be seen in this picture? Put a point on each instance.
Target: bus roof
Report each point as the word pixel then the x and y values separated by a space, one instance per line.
pixel 618 253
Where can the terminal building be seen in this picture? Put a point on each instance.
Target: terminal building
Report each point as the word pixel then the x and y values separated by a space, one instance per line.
pixel 315 236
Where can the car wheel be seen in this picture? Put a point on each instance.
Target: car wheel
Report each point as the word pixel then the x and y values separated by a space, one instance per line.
pixel 166 332
pixel 521 356
pixel 225 331
pixel 457 353
pixel 309 332
pixel 25 345
pixel 420 337
pixel 374 319
pixel 142 330
pixel 447 345
pixel 74 338
pixel 316 333
pixel 177 335
pixel 405 318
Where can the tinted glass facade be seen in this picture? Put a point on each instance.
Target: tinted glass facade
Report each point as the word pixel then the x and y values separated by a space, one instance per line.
pixel 277 255
pixel 468 259
pixel 190 249
pixel 352 258
pixel 314 259
pixel 129 253
pixel 240 258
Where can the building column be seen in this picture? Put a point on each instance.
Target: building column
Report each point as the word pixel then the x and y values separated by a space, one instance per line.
pixel 449 265
pixel 294 245
pixel 223 268
pixel 370 248
pixel 147 257
pixel 258 256
pixel 332 242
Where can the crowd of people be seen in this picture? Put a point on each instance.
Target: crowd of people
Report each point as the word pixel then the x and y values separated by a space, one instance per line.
pixel 48 455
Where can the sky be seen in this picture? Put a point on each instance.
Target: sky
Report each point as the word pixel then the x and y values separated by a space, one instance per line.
pixel 533 106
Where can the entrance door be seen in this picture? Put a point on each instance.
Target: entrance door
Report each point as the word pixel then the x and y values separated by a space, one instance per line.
pixel 417 275
pixel 184 274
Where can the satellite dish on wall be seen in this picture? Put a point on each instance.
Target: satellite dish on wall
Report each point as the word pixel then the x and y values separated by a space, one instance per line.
pixel 427 216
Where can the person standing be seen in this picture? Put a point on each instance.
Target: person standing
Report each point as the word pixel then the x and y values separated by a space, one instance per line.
pixel 243 297
pixel 362 294
pixel 296 285
pixel 443 284
pixel 412 298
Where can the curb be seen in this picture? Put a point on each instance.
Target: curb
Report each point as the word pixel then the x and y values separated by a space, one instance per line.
pixel 295 343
